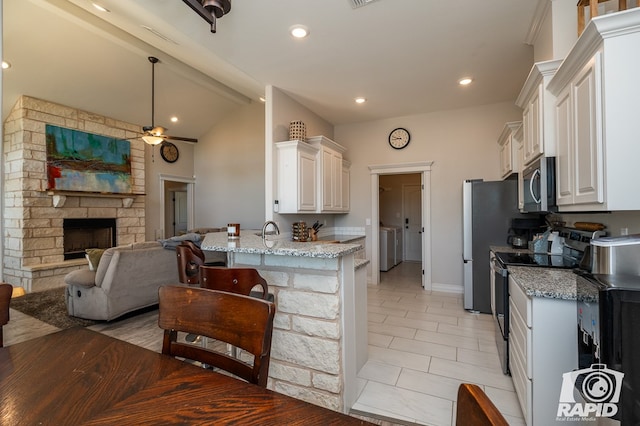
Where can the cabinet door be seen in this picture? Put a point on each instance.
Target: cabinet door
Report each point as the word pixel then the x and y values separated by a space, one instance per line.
pixel 533 128
pixel 336 172
pixel 306 182
pixel 506 166
pixel 564 148
pixel 346 182
pixel 588 135
pixel 327 180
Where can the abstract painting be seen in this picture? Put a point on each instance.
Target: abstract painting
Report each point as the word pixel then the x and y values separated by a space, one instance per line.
pixel 80 161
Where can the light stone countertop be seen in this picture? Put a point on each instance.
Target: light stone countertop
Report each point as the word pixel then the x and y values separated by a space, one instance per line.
pixel 554 283
pixel 274 245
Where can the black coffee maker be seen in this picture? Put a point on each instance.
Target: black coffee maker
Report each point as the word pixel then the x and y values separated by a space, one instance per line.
pixel 522 231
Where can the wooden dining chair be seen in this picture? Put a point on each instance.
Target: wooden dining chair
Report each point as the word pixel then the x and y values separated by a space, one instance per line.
pixel 190 259
pixel 242 321
pixel 235 280
pixel 5 297
pixel 476 409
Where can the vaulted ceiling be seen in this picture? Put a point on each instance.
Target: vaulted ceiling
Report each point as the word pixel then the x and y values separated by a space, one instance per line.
pixel 404 56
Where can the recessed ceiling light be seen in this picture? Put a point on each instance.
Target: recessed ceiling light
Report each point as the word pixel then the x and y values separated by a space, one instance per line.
pixel 361 100
pixel 100 8
pixel 174 119
pixel 5 65
pixel 465 81
pixel 262 99
pixel 299 31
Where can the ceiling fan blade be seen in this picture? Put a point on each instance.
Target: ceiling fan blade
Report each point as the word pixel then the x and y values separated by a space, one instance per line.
pixel 179 138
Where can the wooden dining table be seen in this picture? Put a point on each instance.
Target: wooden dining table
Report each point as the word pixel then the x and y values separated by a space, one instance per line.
pixel 82 377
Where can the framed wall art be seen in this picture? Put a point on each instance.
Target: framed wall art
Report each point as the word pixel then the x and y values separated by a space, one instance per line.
pixel 84 162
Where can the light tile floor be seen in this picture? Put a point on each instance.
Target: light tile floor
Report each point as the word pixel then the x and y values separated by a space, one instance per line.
pixel 422 345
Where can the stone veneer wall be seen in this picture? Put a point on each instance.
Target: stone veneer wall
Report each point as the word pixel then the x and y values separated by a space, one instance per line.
pixel 308 336
pixel 33 250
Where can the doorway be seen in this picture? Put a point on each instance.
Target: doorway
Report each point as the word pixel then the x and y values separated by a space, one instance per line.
pixel 177 205
pixel 423 170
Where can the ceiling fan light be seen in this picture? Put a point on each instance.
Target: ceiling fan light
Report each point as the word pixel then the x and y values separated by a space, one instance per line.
pixel 152 140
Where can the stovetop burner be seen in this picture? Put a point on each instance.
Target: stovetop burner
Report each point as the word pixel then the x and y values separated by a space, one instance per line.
pixel 544 260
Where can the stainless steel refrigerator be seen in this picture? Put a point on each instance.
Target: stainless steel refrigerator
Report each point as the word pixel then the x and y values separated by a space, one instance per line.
pixel 488 208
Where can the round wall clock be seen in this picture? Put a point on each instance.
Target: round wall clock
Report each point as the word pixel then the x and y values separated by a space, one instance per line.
pixel 169 152
pixel 399 138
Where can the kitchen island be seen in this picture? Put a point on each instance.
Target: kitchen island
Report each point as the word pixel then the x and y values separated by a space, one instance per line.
pixel 320 328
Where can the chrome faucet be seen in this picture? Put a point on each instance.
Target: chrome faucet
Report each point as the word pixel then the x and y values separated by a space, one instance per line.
pixel 267 223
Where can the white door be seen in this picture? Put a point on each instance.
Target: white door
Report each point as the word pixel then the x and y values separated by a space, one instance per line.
pixel 180 212
pixel 412 208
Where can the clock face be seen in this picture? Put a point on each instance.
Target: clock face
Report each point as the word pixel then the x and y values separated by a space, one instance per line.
pixel 169 152
pixel 399 138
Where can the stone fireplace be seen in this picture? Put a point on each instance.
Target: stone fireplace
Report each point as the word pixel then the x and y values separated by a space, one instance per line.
pixel 34 218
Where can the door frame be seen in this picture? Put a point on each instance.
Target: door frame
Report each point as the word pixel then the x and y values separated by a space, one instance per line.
pixel 424 168
pixel 190 182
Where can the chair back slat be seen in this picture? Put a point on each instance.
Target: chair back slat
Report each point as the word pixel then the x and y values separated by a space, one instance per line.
pixel 233 280
pixel 476 409
pixel 242 321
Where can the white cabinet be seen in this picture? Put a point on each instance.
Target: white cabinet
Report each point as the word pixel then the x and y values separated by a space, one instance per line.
pixel 579 137
pixel 542 346
pixel 346 185
pixel 312 177
pixel 597 91
pixel 330 172
pixel 519 147
pixel 538 118
pixel 508 149
pixel 297 177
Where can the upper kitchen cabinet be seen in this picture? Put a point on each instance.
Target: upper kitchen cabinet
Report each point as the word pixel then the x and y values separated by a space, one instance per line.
pixel 330 172
pixel 297 169
pixel 596 90
pixel 538 103
pixel 346 185
pixel 508 148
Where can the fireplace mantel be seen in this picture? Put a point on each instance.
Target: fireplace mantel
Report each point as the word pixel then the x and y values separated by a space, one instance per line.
pixel 60 197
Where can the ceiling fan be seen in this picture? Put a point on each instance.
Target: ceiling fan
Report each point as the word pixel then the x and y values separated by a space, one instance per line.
pixel 153 135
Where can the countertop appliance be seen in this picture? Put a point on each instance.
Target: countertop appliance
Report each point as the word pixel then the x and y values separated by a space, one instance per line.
pixel 488 208
pixel 608 322
pixel 539 180
pixel 616 255
pixel 576 244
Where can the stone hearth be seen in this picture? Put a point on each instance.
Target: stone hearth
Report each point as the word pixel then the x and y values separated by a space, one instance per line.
pixel 33 217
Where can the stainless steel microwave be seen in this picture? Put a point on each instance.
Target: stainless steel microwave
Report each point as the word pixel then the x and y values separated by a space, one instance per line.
pixel 539 185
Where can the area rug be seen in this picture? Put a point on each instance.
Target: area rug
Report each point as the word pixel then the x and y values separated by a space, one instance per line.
pixel 48 306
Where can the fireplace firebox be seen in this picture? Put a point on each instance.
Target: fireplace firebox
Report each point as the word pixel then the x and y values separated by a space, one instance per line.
pixel 82 234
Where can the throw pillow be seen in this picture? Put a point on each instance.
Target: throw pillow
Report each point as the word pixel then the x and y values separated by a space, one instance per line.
pixel 94 256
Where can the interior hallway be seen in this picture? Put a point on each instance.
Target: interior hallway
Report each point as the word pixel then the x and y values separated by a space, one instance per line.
pixel 421 347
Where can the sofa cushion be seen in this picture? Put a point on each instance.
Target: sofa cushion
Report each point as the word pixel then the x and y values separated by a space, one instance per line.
pixel 93 256
pixel 145 245
pixel 81 277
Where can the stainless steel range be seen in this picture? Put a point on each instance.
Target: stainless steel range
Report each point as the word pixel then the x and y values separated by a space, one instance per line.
pixel 576 253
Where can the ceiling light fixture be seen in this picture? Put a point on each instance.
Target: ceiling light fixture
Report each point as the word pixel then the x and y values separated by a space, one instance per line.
pixel 465 81
pixel 299 31
pixel 361 100
pixel 210 10
pixel 174 119
pixel 100 7
pixel 5 65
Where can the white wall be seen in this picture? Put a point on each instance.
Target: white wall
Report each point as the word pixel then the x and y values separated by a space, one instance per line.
pixel 461 143
pixel 153 168
pixel 229 169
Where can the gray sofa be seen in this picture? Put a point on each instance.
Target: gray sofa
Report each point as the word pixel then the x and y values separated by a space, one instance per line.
pixel 127 279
